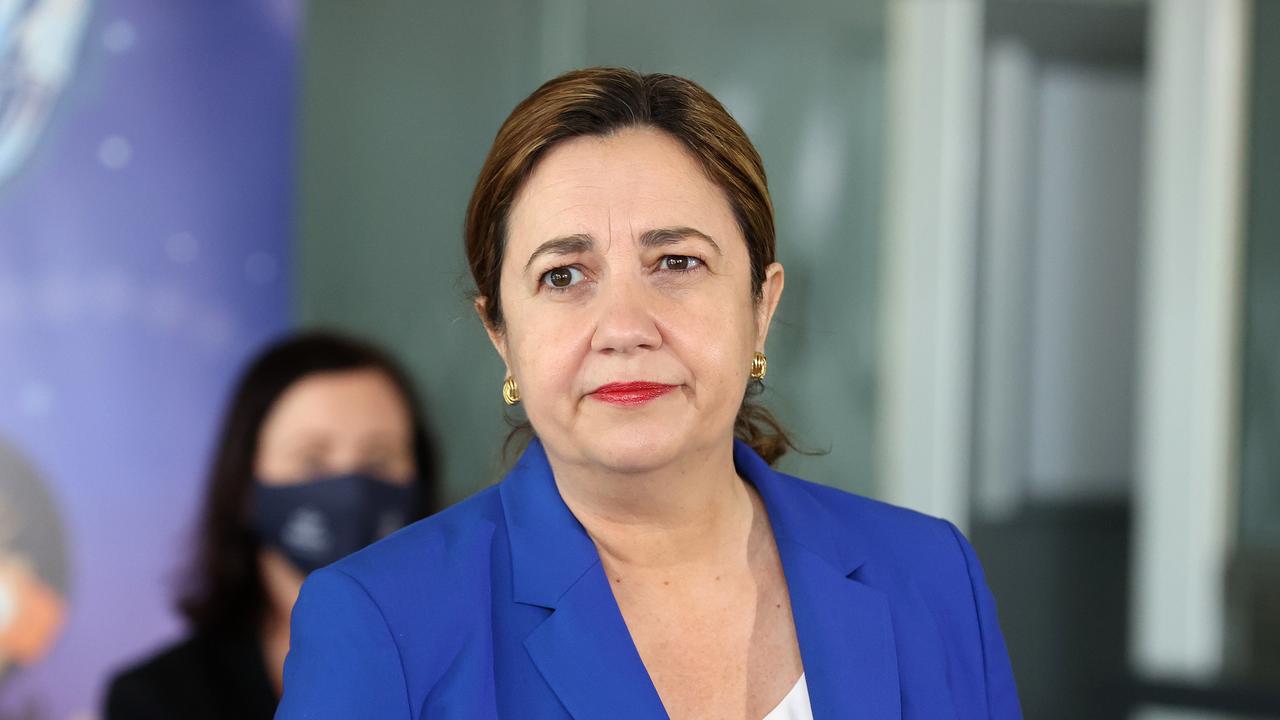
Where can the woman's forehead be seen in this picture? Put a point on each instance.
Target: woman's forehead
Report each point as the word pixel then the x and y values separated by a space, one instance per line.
pixel 337 401
pixel 621 185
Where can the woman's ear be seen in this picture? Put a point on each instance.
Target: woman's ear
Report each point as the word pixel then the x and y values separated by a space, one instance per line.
pixel 770 294
pixel 496 336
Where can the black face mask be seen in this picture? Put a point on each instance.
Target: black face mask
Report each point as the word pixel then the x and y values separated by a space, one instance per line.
pixel 321 521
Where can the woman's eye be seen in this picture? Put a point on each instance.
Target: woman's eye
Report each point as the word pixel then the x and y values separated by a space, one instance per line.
pixel 679 263
pixel 562 277
pixel 377 468
pixel 315 466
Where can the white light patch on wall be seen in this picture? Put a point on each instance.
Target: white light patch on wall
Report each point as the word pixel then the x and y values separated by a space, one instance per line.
pixel 115 152
pixel 118 36
pixel 39 41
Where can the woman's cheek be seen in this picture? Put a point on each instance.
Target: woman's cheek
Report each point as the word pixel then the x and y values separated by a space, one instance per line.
pixel 550 356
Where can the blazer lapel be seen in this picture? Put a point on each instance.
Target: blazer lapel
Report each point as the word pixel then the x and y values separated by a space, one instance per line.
pixel 844 626
pixel 583 648
pixel 846 639
pixel 585 652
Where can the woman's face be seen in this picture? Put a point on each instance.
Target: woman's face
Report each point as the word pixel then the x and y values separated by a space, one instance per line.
pixel 334 423
pixel 624 264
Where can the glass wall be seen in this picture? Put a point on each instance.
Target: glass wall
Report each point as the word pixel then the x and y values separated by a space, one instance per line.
pixel 402 102
pixel 1253 583
pixel 1260 456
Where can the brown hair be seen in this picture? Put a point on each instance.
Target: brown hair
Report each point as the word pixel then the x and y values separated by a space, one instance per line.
pixel 601 101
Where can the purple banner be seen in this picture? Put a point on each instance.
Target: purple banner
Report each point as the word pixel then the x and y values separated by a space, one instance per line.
pixel 146 189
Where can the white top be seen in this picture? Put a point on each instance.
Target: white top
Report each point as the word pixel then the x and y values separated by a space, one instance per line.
pixel 795 706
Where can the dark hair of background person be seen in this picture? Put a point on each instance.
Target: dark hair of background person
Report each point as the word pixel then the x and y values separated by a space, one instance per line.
pixel 600 102
pixel 223 586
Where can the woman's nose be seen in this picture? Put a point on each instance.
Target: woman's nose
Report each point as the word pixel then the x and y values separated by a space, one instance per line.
pixel 625 322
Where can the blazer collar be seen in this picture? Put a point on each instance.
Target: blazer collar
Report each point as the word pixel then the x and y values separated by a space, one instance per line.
pixel 583 648
pixel 550 549
pixel 585 653
pixel 844 626
pixel 797 516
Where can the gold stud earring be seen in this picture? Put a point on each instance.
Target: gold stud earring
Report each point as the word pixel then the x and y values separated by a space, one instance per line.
pixel 759 366
pixel 510 391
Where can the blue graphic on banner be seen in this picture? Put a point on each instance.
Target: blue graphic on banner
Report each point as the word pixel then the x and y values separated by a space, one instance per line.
pixel 146 192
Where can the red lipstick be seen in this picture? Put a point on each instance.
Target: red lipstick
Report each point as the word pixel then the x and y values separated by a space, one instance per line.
pixel 631 394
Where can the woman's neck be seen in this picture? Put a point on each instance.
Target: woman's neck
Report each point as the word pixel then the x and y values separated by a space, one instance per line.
pixel 281 583
pixel 696 513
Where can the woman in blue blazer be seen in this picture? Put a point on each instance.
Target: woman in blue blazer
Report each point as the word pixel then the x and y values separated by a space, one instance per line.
pixel 643 559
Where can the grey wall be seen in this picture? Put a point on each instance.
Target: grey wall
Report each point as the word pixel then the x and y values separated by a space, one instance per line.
pixel 1260 427
pixel 401 100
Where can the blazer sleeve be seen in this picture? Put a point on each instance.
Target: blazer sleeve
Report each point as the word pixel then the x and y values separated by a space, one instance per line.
pixel 343 661
pixel 1001 691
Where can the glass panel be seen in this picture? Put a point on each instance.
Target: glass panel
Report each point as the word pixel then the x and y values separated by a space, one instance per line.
pixel 806 81
pixel 1260 427
pixel 402 103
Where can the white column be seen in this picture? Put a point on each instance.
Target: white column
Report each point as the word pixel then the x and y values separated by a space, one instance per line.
pixel 1187 361
pixel 1003 333
pixel 927 302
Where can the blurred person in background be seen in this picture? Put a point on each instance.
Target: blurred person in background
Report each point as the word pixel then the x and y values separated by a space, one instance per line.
pixel 323 450
pixel 643 559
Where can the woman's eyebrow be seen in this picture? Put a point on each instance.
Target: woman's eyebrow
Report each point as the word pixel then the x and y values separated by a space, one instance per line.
pixel 657 237
pixel 671 235
pixel 309 443
pixel 380 441
pixel 567 245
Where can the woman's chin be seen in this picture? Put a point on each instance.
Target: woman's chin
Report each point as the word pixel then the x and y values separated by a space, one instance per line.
pixel 635 448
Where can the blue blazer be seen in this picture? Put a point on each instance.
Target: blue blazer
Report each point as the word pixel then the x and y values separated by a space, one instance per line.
pixel 499 608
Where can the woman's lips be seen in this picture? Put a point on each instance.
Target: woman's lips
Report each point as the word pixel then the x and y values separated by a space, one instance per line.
pixel 632 393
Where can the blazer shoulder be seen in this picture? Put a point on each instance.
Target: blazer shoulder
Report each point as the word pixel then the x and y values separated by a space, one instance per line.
pixel 877 517
pixel 437 548
pixel 395 614
pixel 929 572
pixel 929 549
